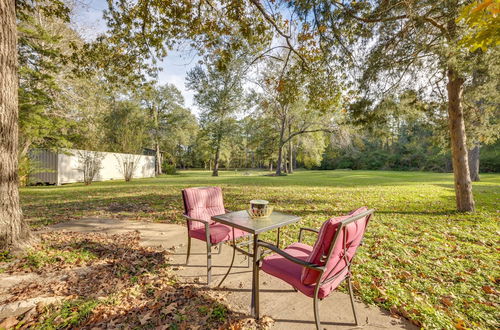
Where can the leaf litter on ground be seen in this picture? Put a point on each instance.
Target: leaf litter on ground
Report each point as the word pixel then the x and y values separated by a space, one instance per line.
pixel 110 280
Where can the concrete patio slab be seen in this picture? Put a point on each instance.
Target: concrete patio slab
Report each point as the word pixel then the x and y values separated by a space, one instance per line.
pixel 290 310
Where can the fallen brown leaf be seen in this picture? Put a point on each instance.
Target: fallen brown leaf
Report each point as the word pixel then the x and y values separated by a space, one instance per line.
pixel 8 323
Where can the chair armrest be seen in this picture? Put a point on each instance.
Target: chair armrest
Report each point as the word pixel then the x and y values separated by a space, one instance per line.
pixel 282 253
pixel 188 218
pixel 307 229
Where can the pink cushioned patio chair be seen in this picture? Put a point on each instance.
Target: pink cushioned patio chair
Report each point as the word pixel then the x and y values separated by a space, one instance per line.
pixel 200 204
pixel 317 270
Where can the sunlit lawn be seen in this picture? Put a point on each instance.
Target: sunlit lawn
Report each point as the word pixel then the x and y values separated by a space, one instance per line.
pixel 420 259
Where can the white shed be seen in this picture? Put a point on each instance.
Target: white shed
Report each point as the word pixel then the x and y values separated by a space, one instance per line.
pixel 66 166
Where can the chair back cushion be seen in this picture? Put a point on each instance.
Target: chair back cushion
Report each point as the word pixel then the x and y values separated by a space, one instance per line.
pixel 202 204
pixel 337 263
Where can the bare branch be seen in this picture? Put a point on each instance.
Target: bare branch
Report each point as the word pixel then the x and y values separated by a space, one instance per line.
pixel 271 20
pixel 436 24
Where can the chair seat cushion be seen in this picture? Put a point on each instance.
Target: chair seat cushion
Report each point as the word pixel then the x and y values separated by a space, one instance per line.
pixel 218 233
pixel 291 272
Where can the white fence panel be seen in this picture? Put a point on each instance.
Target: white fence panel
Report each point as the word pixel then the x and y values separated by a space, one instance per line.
pixel 47 162
pixel 69 166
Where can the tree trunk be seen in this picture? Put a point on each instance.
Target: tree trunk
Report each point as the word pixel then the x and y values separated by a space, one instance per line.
pixel 474 163
pixel 270 165
pixel 25 147
pixel 158 159
pixel 290 154
pixel 285 159
pixel 215 172
pixel 279 164
pixel 14 231
pixel 463 186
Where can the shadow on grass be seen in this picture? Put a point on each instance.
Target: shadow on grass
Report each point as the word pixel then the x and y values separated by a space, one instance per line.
pixel 159 199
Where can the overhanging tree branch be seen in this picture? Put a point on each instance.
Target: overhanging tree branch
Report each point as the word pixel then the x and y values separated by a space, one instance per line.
pixel 285 36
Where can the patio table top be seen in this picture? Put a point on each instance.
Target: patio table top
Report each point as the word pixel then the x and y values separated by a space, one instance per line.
pixel 243 221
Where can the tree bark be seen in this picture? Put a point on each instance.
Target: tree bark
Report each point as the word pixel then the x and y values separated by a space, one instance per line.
pixel 155 113
pixel 474 163
pixel 279 164
pixel 215 172
pixel 285 160
pixel 14 231
pixel 290 155
pixel 463 186
pixel 158 159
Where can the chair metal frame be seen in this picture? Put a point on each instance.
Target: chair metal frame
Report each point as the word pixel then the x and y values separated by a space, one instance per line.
pixel 322 269
pixel 206 224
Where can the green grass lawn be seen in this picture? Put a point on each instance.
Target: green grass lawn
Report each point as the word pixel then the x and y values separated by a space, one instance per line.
pixel 421 259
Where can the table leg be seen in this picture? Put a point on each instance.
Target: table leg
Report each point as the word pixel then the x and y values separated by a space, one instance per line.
pixel 255 279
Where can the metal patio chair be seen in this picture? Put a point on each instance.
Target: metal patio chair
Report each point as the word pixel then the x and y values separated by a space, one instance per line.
pixel 318 270
pixel 200 204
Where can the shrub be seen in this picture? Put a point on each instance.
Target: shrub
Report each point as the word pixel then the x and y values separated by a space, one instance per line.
pixel 169 169
pixel 128 163
pixel 490 158
pixel 90 164
pixel 27 168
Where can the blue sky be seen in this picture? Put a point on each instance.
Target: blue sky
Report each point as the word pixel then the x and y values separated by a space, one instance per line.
pixel 87 17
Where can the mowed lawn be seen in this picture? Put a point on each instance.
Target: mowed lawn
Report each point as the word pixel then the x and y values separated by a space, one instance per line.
pixel 421 259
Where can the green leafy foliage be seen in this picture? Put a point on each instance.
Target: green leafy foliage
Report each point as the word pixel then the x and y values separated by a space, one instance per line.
pixel 171 125
pixel 412 151
pixel 490 158
pixel 219 313
pixel 126 129
pixel 219 94
pixel 5 256
pixel 169 169
pixel 41 93
pixel 482 19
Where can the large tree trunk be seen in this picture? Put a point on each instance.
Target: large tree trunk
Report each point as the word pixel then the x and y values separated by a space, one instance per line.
pixel 474 163
pixel 463 186
pixel 290 154
pixel 14 232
